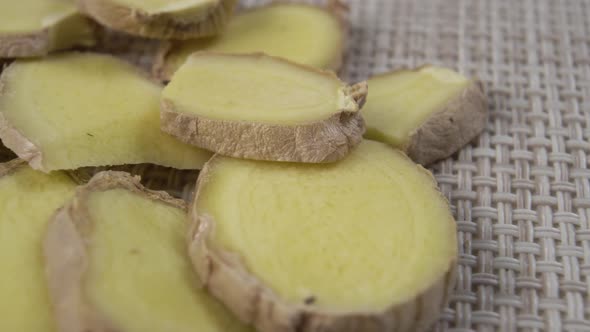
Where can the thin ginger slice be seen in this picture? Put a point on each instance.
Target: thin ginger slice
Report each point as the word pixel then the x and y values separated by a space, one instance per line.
pixel 302 33
pixel 36 27
pixel 117 261
pixel 261 107
pixel 162 19
pixel 75 110
pixel 366 244
pixel 430 112
pixel 28 199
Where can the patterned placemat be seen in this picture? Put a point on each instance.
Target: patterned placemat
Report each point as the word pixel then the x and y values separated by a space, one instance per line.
pixel 521 191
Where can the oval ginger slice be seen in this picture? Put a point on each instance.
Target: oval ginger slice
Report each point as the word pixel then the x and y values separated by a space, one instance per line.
pixel 303 33
pixel 162 19
pixel 429 112
pixel 117 261
pixel 28 199
pixel 30 28
pixel 366 244
pixel 261 107
pixel 76 110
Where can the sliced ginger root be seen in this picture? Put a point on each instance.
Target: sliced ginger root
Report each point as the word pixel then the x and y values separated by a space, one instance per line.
pixel 36 27
pixel 261 107
pixel 302 33
pixel 430 112
pixel 366 244
pixel 117 261
pixel 28 199
pixel 74 110
pixel 162 19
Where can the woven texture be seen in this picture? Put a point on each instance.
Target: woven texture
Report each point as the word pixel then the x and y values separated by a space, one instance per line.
pixel 521 191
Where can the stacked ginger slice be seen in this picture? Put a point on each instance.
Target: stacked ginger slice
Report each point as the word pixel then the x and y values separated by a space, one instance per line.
pixel 311 211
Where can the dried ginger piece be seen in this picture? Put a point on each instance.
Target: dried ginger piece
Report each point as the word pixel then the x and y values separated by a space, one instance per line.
pixel 429 112
pixel 367 244
pixel 28 199
pixel 76 110
pixel 117 261
pixel 303 33
pixel 261 107
pixel 162 19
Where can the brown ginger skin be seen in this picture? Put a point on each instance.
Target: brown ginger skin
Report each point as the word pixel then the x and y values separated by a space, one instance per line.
pixel 25 45
pixel 9 167
pixel 452 127
pixel 160 25
pixel 162 71
pixel 225 276
pixel 14 140
pixel 66 252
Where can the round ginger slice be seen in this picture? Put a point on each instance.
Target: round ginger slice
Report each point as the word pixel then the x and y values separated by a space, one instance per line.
pixel 28 199
pixel 429 112
pixel 77 110
pixel 303 33
pixel 162 19
pixel 31 28
pixel 117 261
pixel 366 244
pixel 261 107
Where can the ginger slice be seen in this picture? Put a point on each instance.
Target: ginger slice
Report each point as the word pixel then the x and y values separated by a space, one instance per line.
pixel 302 33
pixel 117 261
pixel 31 28
pixel 28 198
pixel 163 19
pixel 429 112
pixel 261 107
pixel 366 244
pixel 74 110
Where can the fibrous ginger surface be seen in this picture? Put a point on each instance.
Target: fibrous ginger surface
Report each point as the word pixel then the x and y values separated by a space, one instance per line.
pixel 28 199
pixel 360 234
pixel 24 16
pixel 154 6
pixel 253 88
pixel 301 33
pixel 399 103
pixel 90 110
pixel 140 276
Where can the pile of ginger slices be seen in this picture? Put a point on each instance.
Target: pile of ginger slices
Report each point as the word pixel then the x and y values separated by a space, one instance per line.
pixel 312 210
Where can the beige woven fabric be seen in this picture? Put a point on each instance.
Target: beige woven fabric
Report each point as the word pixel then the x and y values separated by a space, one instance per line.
pixel 520 192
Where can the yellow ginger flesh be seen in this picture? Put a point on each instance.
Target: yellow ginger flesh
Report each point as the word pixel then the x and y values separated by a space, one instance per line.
pixel 32 15
pixel 400 102
pixel 300 33
pixel 90 110
pixel 155 6
pixel 139 273
pixel 256 89
pixel 28 199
